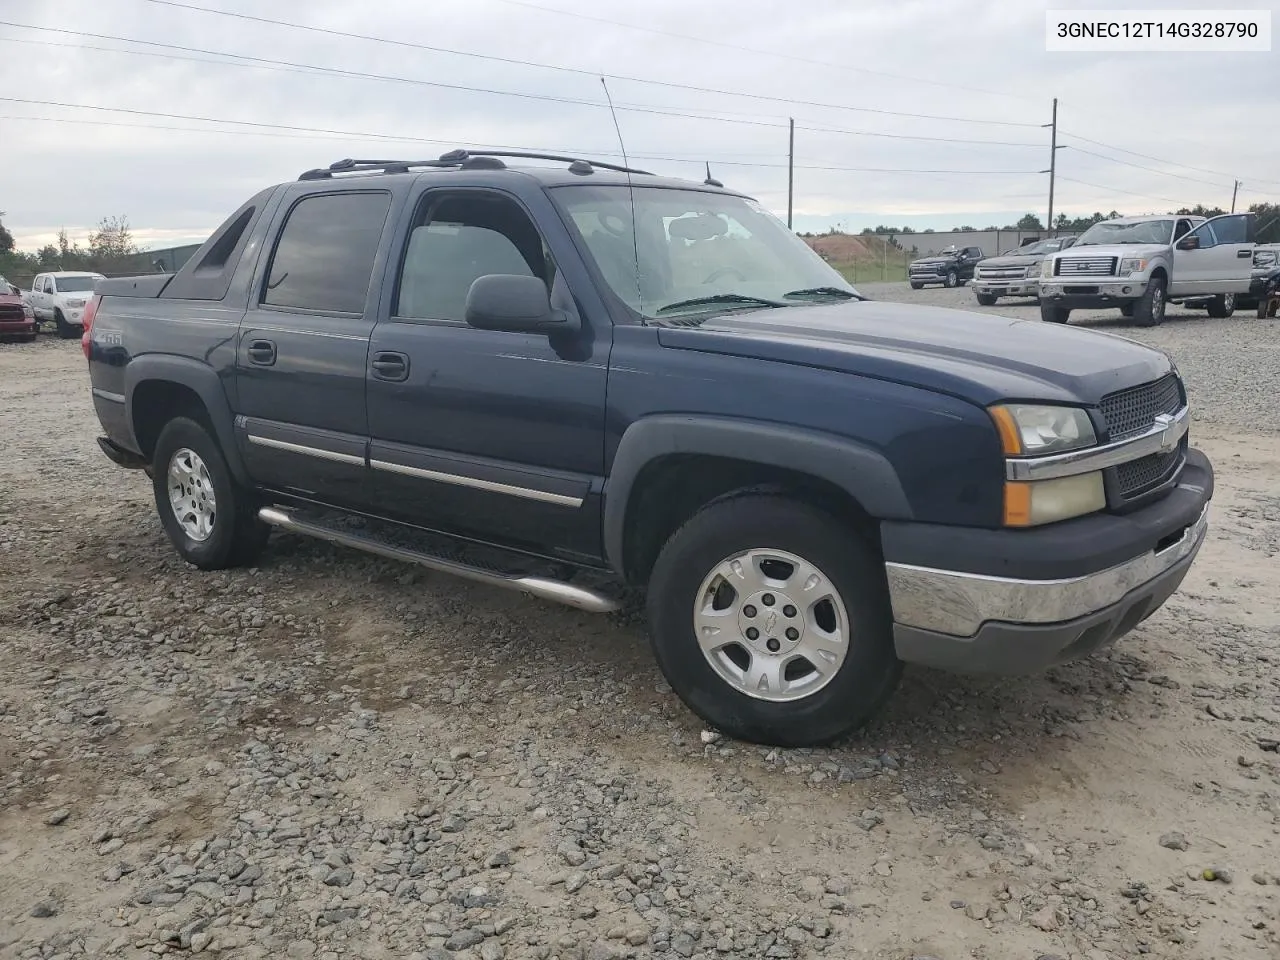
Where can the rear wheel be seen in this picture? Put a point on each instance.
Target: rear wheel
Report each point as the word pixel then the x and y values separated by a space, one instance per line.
pixel 771 621
pixel 987 299
pixel 1051 314
pixel 212 522
pixel 65 330
pixel 1148 311
pixel 1223 306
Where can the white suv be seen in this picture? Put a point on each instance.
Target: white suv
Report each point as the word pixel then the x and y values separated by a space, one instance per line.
pixel 61 297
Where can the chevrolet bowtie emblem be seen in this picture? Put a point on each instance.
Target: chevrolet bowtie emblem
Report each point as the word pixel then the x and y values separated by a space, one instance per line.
pixel 1168 440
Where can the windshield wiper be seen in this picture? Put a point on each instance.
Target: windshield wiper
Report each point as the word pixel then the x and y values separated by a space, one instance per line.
pixel 840 292
pixel 718 298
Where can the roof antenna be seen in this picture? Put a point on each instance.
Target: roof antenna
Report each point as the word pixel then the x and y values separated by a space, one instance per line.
pixel 631 190
pixel 711 181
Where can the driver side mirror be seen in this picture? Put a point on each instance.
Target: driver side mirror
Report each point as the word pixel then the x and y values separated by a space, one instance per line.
pixel 516 304
pixel 1190 242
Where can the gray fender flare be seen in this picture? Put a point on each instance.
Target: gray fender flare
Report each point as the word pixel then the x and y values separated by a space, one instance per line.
pixel 864 473
pixel 202 380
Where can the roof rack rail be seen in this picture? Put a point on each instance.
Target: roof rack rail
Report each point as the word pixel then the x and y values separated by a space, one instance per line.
pixel 465 160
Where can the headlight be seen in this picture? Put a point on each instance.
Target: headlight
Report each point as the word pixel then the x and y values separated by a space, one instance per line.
pixel 1132 265
pixel 1030 430
pixel 1046 267
pixel 1047 501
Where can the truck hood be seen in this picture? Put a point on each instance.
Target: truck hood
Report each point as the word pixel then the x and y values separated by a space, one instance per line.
pixel 974 356
pixel 949 259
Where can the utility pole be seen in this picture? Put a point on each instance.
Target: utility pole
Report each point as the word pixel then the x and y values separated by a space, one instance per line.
pixel 1234 190
pixel 1053 162
pixel 791 166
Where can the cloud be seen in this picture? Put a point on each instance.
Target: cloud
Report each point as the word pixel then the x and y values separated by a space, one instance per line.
pixel 62 166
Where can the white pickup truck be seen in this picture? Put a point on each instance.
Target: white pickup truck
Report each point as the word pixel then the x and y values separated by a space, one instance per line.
pixel 1140 264
pixel 61 297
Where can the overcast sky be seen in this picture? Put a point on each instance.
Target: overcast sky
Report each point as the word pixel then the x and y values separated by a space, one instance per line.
pixel 976 60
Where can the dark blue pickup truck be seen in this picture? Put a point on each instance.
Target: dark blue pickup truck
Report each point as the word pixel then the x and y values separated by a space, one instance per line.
pixel 568 378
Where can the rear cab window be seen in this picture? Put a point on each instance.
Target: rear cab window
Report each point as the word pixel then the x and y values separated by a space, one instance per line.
pixel 324 255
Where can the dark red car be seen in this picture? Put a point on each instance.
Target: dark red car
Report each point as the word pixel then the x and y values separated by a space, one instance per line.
pixel 16 318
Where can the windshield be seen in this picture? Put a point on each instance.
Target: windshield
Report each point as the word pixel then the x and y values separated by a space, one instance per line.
pixel 75 284
pixel 700 252
pixel 1146 231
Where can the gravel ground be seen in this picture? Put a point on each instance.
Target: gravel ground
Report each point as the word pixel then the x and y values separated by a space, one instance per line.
pixel 331 755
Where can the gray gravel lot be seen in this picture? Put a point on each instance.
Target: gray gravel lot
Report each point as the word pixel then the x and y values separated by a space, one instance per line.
pixel 335 756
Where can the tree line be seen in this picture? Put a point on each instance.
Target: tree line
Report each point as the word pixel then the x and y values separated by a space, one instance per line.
pixel 1267 220
pixel 109 248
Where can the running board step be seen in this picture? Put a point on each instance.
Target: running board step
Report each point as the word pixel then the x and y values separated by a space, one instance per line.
pixel 548 589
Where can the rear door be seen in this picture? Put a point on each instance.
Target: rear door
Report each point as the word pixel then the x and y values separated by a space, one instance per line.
pixel 1222 260
pixel 39 298
pixel 303 344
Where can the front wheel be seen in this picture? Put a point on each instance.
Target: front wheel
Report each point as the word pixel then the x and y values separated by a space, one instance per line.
pixel 915 285
pixel 212 522
pixel 1148 311
pixel 951 279
pixel 771 621
pixel 1222 306
pixel 65 330
pixel 1051 314
pixel 986 299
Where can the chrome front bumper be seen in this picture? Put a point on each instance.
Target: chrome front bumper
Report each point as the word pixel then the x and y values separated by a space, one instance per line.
pixel 960 604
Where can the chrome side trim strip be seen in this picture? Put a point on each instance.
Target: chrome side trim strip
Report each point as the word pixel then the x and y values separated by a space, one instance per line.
pixel 306 451
pixel 108 395
pixel 1165 434
pixel 958 604
pixel 558 591
pixel 492 486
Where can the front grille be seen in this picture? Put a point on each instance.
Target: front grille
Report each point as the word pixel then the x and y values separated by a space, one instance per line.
pixel 1130 412
pixel 1001 273
pixel 10 312
pixel 924 269
pixel 1084 267
pixel 1146 473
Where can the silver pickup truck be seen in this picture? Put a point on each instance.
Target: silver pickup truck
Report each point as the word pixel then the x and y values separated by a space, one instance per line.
pixel 1014 273
pixel 1140 264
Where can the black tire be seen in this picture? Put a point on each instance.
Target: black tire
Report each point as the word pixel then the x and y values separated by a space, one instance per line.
pixel 987 299
pixel 1051 314
pixel 1222 306
pixel 951 279
pixel 1126 310
pixel 236 535
pixel 66 331
pixel 858 687
pixel 1148 310
pixel 916 285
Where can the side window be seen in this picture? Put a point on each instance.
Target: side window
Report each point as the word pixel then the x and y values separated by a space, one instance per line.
pixel 1206 235
pixel 1181 230
pixel 324 257
pixel 50 285
pixel 458 238
pixel 1232 229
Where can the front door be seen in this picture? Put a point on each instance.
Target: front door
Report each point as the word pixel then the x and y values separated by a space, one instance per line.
pixel 303 345
pixel 488 434
pixel 1222 260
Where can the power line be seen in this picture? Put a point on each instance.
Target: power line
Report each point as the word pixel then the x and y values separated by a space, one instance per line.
pixel 1147 156
pixel 575 70
pixel 1139 166
pixel 1099 186
pixel 285 66
pixel 311 132
pixel 741 49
